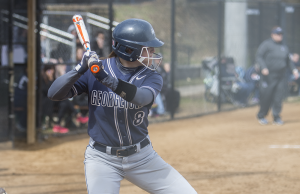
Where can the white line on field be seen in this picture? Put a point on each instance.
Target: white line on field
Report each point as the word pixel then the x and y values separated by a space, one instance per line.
pixel 285 146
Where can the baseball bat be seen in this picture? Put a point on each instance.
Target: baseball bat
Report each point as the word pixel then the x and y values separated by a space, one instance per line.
pixel 84 37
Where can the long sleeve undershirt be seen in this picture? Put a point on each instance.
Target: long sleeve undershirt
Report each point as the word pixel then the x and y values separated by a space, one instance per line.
pixel 59 91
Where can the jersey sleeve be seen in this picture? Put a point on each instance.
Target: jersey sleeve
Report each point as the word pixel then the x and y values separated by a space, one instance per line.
pixel 153 83
pixel 261 51
pixel 81 85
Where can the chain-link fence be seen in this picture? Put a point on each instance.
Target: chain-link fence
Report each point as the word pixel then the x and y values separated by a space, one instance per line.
pixel 59 41
pixel 200 28
pixel 4 129
pixel 215 46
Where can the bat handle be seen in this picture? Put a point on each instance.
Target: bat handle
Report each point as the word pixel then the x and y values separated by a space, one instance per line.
pixel 88 49
pixel 95 68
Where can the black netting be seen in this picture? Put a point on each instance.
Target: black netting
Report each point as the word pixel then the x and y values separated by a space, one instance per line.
pixel 4 130
pixel 202 32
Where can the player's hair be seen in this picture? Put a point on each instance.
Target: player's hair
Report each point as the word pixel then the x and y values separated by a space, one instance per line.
pixel 111 55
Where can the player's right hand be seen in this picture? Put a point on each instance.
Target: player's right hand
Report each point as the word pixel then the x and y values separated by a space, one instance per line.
pixel 97 68
pixel 82 67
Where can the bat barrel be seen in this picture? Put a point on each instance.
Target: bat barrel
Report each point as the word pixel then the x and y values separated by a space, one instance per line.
pixel 81 31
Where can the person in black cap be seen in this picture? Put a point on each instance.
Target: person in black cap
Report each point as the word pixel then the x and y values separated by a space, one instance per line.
pixel 273 59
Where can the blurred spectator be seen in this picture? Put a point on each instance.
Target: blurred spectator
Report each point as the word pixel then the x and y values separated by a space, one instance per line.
pixel 241 88
pixel 20 103
pixel 44 47
pixel 166 75
pixel 81 100
pixel 295 59
pixel 67 108
pixel 47 57
pixel 79 54
pixel 72 30
pixel 66 111
pixel 62 55
pixel 273 59
pixel 48 76
pixel 98 45
pixel 158 107
pixel 171 97
pixel 252 77
pixel 295 83
pixel 229 83
pixel 234 88
pixel 81 105
pixel 227 67
pixel 60 70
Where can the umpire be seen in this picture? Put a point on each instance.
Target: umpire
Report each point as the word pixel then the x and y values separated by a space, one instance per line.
pixel 273 58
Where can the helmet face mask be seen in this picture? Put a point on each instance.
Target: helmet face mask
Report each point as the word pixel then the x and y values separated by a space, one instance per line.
pixel 147 61
pixel 130 39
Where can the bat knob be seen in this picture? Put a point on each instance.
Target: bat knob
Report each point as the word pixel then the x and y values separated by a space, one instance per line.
pixel 95 68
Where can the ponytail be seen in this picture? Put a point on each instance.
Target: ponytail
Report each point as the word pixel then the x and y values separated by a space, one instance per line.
pixel 111 55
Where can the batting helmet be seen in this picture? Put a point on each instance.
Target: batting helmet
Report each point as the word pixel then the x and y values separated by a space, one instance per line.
pixel 131 36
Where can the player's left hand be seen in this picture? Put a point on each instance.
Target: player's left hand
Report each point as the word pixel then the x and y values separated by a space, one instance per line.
pixel 82 67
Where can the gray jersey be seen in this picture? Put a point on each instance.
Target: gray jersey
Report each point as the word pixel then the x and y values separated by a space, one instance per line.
pixel 274 56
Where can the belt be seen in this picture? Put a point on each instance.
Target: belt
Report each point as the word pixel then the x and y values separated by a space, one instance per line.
pixel 120 151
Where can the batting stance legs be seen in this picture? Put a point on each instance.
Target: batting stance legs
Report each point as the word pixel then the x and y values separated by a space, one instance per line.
pixel 272 92
pixel 146 169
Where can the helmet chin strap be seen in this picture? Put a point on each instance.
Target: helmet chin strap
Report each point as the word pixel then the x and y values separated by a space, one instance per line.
pixel 142 58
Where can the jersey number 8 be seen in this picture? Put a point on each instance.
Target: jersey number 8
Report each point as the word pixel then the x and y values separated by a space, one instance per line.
pixel 138 118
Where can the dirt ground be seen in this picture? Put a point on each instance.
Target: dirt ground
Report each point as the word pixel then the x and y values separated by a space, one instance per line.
pixel 228 153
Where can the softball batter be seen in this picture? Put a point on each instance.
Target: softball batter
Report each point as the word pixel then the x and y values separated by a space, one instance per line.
pixel 120 96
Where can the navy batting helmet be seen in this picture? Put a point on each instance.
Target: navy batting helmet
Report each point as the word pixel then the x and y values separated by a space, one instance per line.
pixel 131 36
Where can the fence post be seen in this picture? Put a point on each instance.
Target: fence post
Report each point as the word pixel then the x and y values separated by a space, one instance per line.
pixel 31 71
pixel 38 66
pixel 220 40
pixel 260 21
pixel 11 73
pixel 293 32
pixel 111 19
pixel 173 54
pixel 282 20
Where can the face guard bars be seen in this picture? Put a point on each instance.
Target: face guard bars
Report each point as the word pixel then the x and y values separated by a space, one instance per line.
pixel 151 66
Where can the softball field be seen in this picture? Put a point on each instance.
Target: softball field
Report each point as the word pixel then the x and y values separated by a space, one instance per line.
pixel 224 153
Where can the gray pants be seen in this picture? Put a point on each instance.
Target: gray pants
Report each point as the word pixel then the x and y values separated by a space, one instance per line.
pixel 272 93
pixel 146 169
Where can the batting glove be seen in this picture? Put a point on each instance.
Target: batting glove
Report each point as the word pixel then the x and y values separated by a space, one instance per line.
pixel 82 67
pixel 97 68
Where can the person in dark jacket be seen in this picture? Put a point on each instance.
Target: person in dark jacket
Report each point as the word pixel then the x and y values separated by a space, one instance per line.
pixel 20 103
pixel 252 77
pixel 48 76
pixel 98 45
pixel 295 59
pixel 273 59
